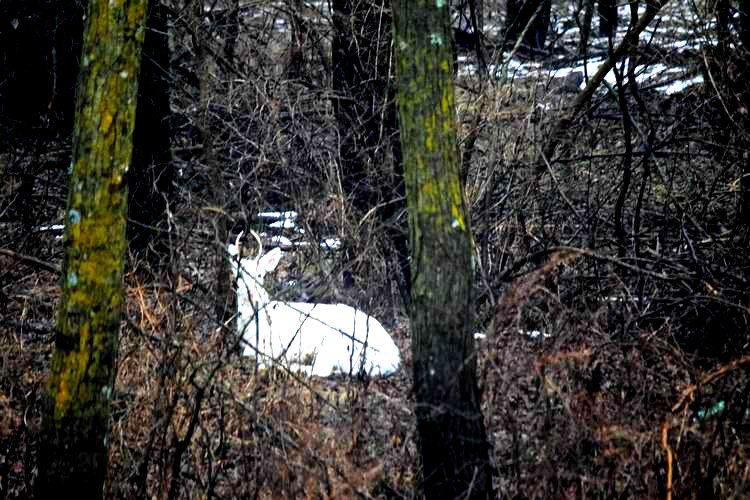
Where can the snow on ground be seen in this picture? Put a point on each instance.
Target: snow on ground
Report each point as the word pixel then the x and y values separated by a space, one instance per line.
pixel 673 31
pixel 287 220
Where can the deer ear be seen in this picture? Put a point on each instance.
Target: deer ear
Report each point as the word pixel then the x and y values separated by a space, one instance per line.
pixel 270 260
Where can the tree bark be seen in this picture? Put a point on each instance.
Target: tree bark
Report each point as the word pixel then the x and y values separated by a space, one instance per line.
pixel 39 54
pixel 73 452
pixel 744 36
pixel 451 434
pixel 585 27
pixel 743 6
pixel 607 18
pixel 151 174
pixel 360 76
pixel 522 12
pixel 213 176
pixel 232 30
pixel 366 118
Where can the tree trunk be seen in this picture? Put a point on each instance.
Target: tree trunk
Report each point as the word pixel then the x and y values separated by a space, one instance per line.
pixel 360 75
pixel 232 30
pixel 743 6
pixel 522 12
pixel 216 188
pixel 744 36
pixel 585 27
pixel 366 118
pixel 39 54
pixel 150 176
pixel 73 452
pixel 476 14
pixel 451 433
pixel 607 17
pixel 478 7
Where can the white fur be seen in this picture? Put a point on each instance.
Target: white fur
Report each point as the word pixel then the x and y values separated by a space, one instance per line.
pixel 317 339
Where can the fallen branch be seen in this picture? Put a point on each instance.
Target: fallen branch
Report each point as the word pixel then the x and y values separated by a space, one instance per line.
pixel 32 261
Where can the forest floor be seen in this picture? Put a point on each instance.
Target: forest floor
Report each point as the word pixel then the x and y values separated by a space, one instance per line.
pixel 607 370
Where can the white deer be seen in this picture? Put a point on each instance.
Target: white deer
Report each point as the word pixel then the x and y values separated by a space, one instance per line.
pixel 317 339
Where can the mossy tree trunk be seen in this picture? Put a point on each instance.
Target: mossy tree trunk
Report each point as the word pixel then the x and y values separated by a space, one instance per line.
pixel 72 456
pixel 451 434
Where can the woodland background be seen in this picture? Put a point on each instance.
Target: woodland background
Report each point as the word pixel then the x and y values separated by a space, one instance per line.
pixel 611 276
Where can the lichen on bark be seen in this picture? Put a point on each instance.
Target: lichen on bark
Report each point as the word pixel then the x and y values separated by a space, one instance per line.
pixel 73 454
pixel 451 434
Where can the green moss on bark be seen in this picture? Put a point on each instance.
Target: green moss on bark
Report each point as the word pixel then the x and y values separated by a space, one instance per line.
pixel 82 370
pixel 452 438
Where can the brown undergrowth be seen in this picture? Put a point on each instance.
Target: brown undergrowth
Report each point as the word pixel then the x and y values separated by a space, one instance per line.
pixel 195 420
pixel 580 413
